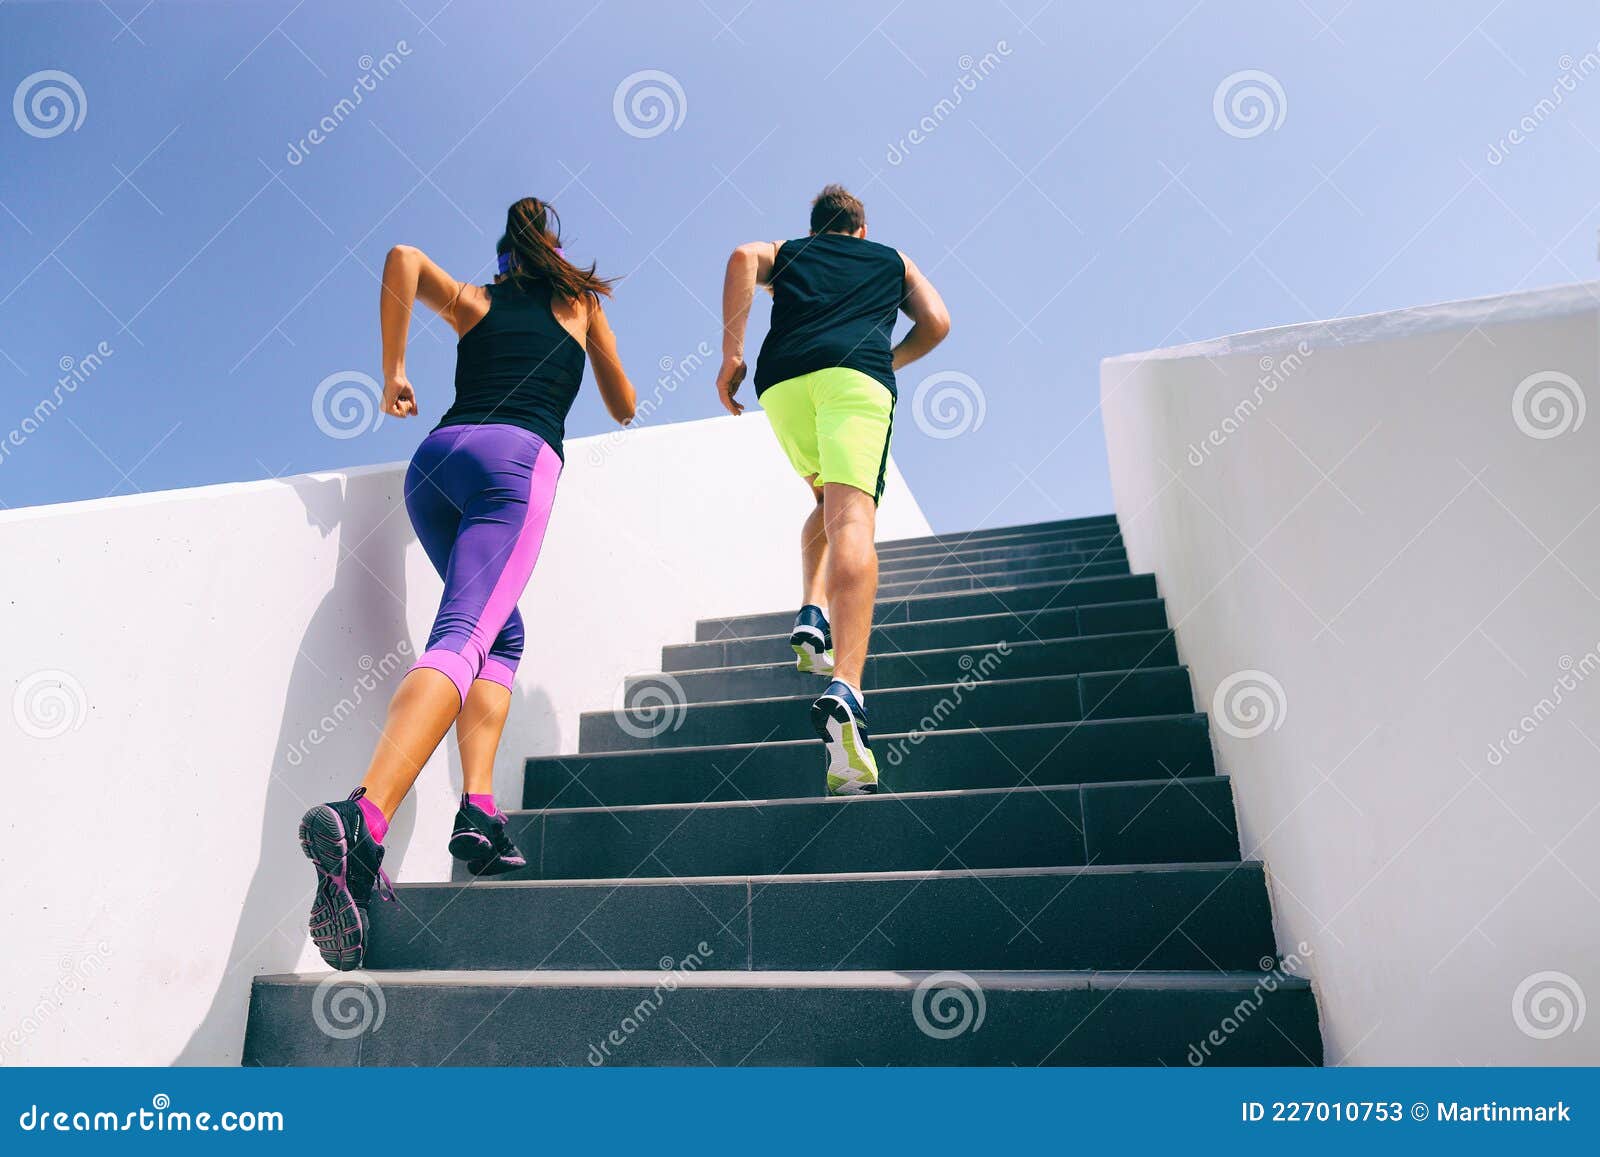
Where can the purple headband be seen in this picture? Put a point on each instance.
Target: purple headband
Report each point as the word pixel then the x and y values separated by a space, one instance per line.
pixel 508 261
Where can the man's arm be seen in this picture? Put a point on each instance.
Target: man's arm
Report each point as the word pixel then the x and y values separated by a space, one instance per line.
pixel 930 320
pixel 749 265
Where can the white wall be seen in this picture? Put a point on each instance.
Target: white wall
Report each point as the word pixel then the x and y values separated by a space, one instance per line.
pixel 185 676
pixel 1374 530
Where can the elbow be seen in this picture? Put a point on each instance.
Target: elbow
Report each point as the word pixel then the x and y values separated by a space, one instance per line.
pixel 939 326
pixel 625 408
pixel 402 256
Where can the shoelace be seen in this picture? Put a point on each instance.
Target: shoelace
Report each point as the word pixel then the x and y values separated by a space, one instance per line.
pixel 385 887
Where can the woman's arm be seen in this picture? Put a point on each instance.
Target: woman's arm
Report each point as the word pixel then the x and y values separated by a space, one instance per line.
pixel 749 264
pixel 408 274
pixel 615 388
pixel 930 321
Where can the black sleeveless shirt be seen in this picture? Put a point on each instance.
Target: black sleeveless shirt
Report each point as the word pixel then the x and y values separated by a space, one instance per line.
pixel 834 303
pixel 518 366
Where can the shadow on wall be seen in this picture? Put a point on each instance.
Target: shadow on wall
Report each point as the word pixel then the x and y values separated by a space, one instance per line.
pixel 354 652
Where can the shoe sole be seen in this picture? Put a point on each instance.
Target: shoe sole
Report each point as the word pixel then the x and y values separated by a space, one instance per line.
pixel 812 656
pixel 847 773
pixel 477 854
pixel 337 928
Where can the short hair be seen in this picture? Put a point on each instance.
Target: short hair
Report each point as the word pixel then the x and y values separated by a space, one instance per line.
pixel 837 210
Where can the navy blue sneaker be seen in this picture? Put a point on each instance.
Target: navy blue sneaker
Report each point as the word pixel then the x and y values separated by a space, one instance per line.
pixel 349 863
pixel 840 721
pixel 812 641
pixel 480 842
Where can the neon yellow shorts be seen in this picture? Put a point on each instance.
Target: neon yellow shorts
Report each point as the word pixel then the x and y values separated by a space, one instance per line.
pixel 834 424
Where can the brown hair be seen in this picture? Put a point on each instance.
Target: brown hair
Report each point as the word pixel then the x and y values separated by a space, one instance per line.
pixel 837 210
pixel 533 238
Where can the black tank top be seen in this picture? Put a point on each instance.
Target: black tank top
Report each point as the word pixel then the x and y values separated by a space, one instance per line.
pixel 518 366
pixel 834 303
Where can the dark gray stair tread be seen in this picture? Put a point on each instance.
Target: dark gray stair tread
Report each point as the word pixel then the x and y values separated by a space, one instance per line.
pixel 917 608
pixel 1095 620
pixel 1185 820
pixel 1002 579
pixel 1060 526
pixel 986 702
pixel 787 1018
pixel 993 569
pixel 1059 753
pixel 1019 658
pixel 973 556
pixel 1185 916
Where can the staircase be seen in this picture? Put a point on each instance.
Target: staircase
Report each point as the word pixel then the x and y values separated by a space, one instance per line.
pixel 1052 876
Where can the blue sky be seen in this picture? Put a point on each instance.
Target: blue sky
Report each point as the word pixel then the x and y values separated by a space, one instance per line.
pixel 1084 198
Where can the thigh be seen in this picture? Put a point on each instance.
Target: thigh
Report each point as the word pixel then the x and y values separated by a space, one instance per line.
pixel 855 420
pixel 793 418
pixel 502 529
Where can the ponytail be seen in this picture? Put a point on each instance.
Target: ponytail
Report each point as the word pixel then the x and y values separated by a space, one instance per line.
pixel 532 242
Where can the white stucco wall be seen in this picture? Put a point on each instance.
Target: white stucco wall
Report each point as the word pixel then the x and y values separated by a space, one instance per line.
pixel 184 673
pixel 1372 514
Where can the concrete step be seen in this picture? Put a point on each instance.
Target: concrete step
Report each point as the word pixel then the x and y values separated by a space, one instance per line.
pixel 989 702
pixel 996 568
pixel 1210 916
pixel 959 604
pixel 975 556
pixel 703 1015
pixel 960 581
pixel 1063 528
pixel 1180 820
pixel 1059 753
pixel 1057 623
pixel 1122 652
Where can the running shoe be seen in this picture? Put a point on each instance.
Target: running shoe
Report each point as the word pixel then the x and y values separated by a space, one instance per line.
pixel 480 842
pixel 349 863
pixel 840 721
pixel 812 641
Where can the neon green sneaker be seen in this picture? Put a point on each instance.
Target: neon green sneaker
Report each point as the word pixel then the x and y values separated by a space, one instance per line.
pixel 812 642
pixel 841 723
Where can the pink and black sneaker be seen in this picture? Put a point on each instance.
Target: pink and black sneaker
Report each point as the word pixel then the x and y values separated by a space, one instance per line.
pixel 480 842
pixel 349 863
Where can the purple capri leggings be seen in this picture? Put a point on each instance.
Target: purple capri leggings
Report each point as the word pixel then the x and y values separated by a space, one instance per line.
pixel 479 498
